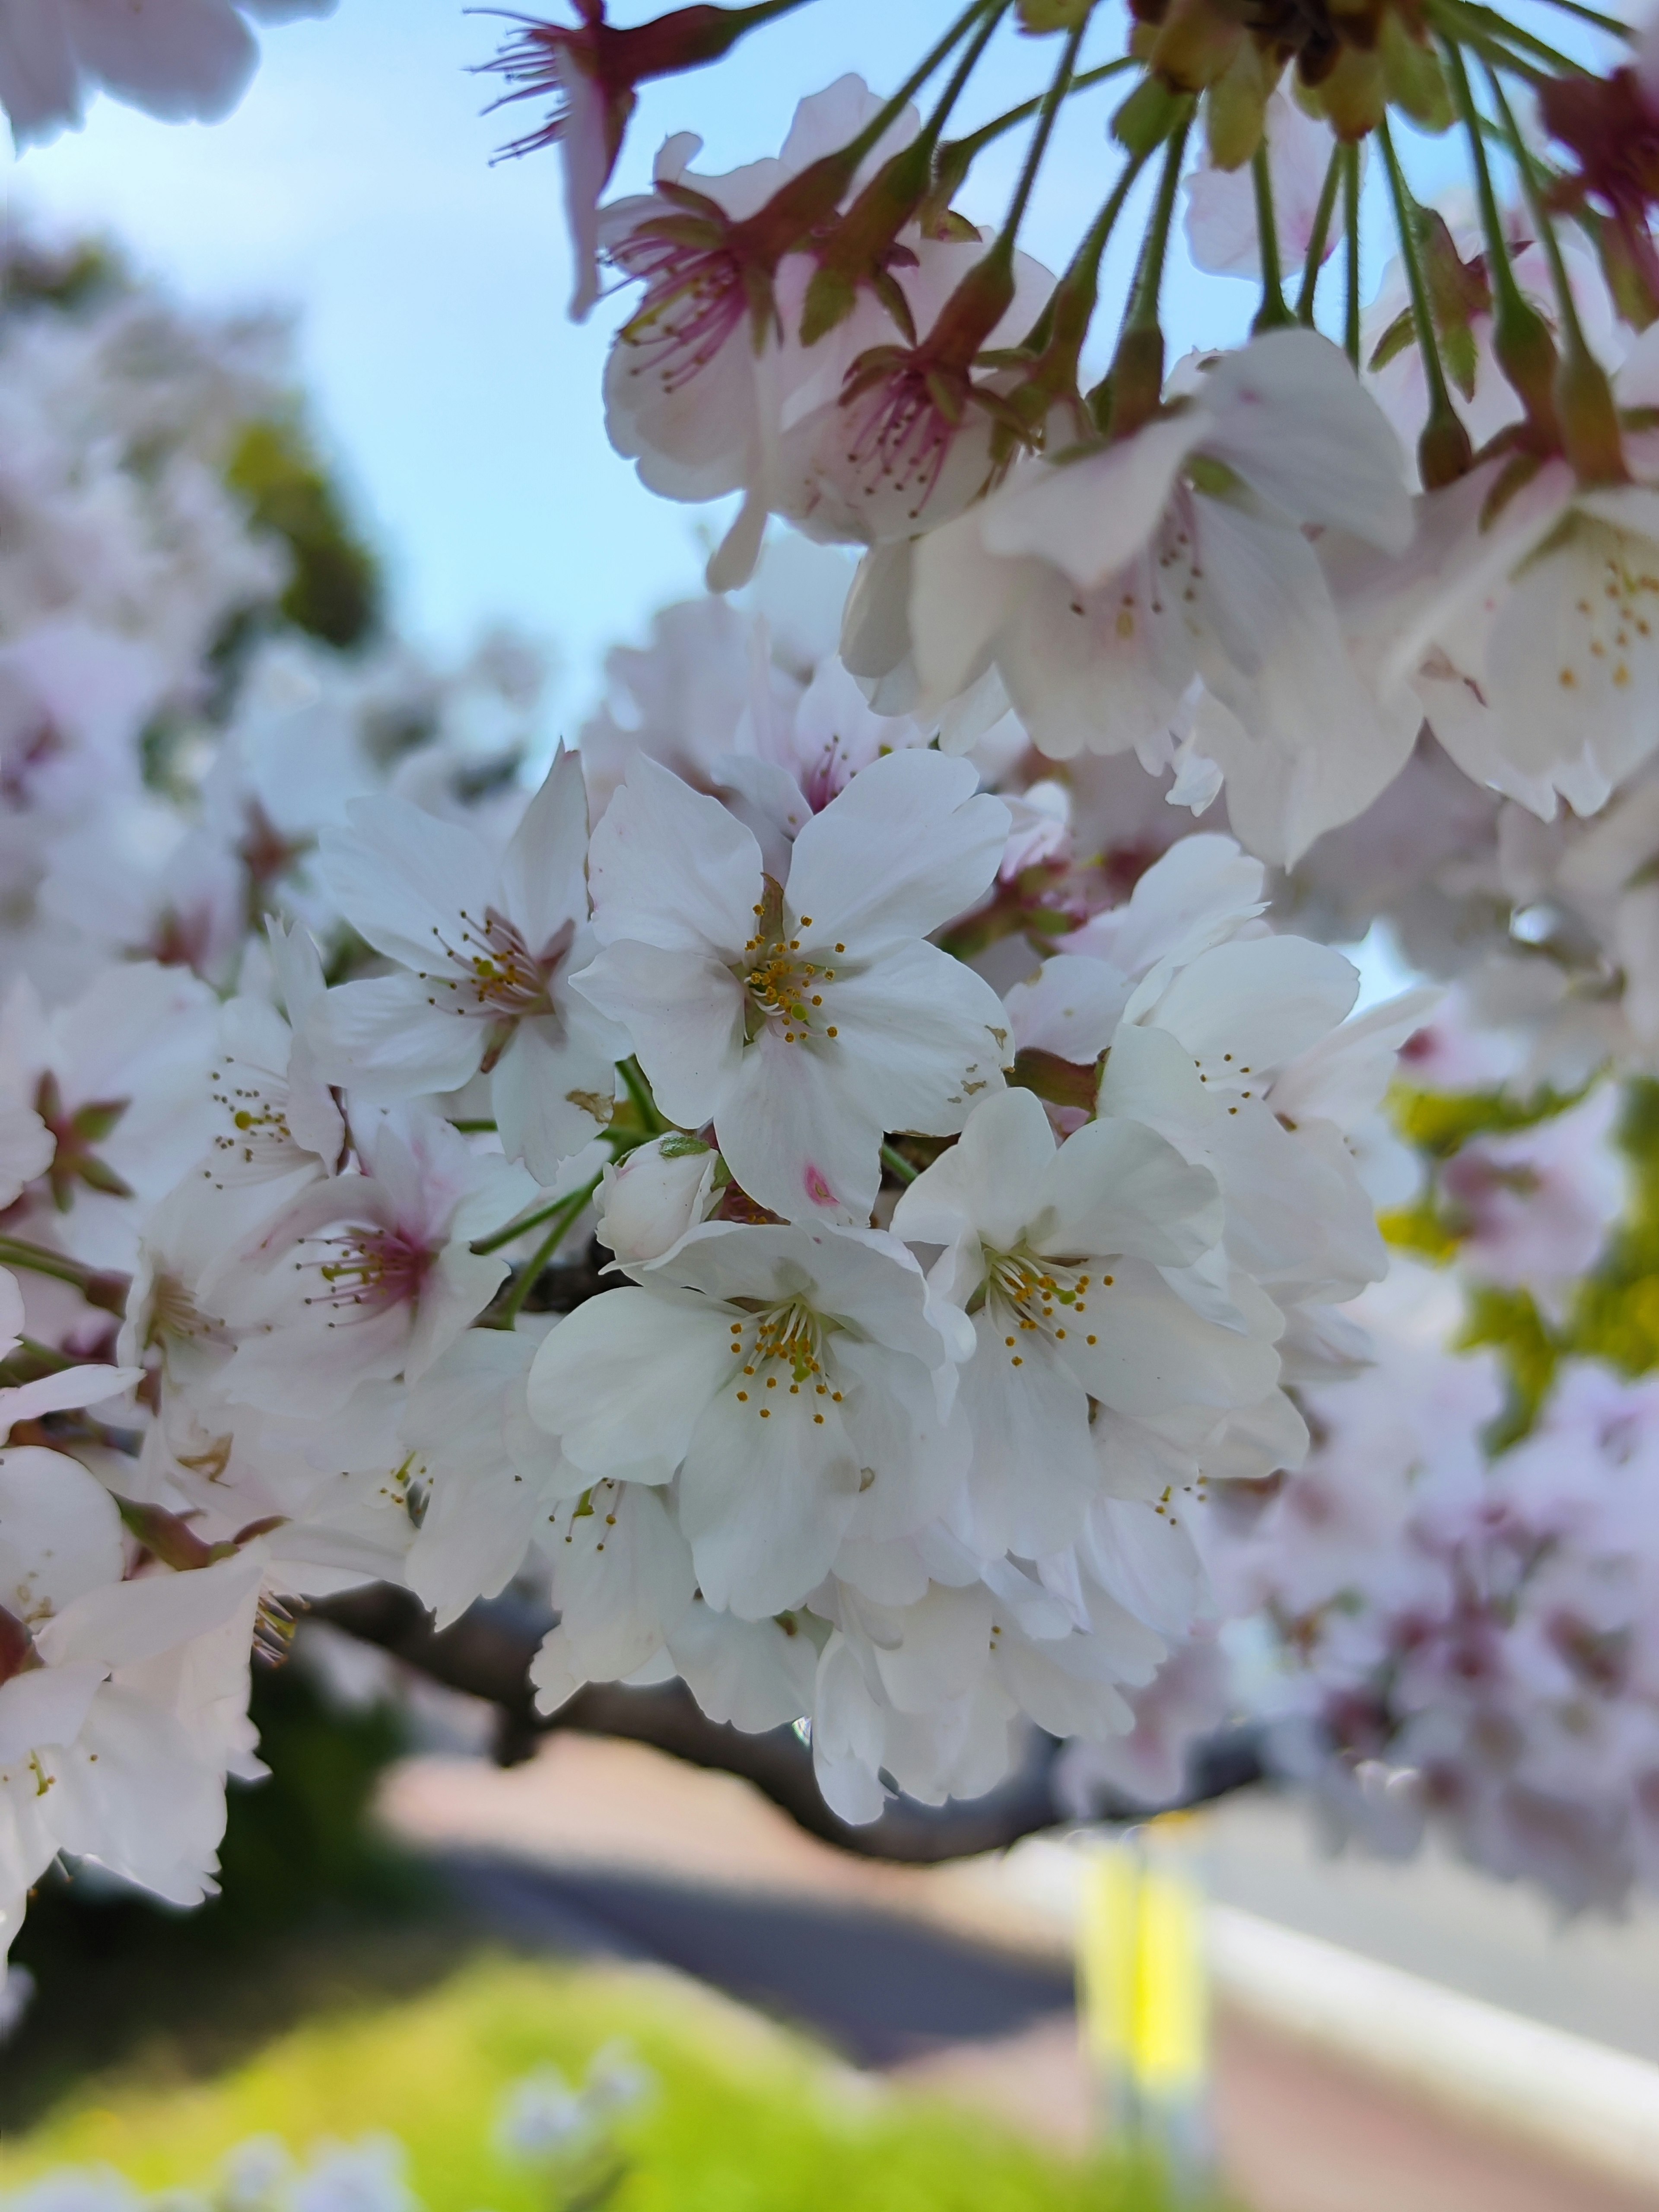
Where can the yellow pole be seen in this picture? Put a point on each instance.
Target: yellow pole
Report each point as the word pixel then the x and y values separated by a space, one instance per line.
pixel 1144 1994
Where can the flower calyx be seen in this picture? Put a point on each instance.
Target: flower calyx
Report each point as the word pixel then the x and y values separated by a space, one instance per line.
pixel 169 1538
pixel 76 1160
pixel 920 398
pixel 17 1653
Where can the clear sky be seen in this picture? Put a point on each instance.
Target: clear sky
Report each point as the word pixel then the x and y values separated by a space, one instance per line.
pixel 353 184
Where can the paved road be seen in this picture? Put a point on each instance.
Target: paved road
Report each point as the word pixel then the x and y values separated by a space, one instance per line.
pixel 879 1987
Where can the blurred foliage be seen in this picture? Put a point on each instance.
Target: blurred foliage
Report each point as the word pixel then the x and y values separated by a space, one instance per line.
pixel 334 592
pixel 1441 1122
pixel 63 277
pixel 302 1871
pixel 745 2116
pixel 1612 1314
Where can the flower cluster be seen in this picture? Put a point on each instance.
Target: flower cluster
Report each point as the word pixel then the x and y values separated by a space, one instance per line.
pixel 826 1177
pixel 1468 1642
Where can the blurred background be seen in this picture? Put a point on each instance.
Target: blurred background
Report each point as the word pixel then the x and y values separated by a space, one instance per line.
pixel 599 1975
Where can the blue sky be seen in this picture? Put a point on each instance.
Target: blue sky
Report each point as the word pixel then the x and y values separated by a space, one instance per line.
pixel 353 184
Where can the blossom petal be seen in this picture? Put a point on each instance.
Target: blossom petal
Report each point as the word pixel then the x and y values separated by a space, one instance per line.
pixel 623 1381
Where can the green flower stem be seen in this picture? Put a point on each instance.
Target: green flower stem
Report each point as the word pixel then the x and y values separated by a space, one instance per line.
pixel 524 1281
pixel 1567 307
pixel 1589 419
pixel 474 1128
pixel 1039 145
pixel 569 1207
pixel 1351 225
pixel 1443 451
pixel 1524 348
pixel 640 1091
pixel 1273 314
pixel 1497 28
pixel 39 1260
pixel 1321 232
pixel 877 128
pixel 934 126
pixel 1062 326
pixel 899 1165
pixel 1609 23
pixel 962 153
pixel 1136 371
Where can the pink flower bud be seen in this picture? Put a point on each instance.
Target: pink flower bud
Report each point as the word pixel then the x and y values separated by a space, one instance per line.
pixel 653 1195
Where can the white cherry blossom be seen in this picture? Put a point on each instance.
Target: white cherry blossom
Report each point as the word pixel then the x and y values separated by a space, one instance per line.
pixel 795 1382
pixel 485 948
pixel 806 1018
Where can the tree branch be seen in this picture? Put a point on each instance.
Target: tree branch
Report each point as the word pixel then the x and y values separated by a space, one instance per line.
pixel 487 1654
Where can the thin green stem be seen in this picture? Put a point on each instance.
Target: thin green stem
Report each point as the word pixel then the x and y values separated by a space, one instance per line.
pixel 877 128
pixel 54 1362
pixel 640 1091
pixel 1040 136
pixel 570 1205
pixel 1609 23
pixel 506 1313
pixel 1525 350
pixel 1273 314
pixel 1500 43
pixel 474 1128
pixel 1442 450
pixel 1142 311
pixel 964 68
pixel 966 151
pixel 1321 232
pixel 900 1166
pixel 1351 226
pixel 39 1260
pixel 1070 308
pixel 1567 307
pixel 1133 390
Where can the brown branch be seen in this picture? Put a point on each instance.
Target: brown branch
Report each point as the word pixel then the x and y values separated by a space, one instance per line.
pixel 487 1654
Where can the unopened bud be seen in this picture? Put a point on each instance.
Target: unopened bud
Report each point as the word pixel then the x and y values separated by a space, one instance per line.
pixel 1148 116
pixel 1526 353
pixel 1236 109
pixel 1443 451
pixel 652 1196
pixel 1196 43
pixel 1351 95
pixel 1589 419
pixel 17 1652
pixel 1137 380
pixel 168 1538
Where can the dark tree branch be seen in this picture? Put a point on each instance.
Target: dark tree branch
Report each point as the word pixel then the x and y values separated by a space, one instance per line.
pixel 487 1654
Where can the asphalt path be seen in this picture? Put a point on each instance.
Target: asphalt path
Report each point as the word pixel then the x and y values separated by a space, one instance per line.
pixel 877 1988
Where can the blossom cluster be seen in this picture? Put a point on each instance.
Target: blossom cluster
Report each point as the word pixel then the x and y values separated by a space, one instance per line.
pixel 825 1176
pixel 942 1278
pixel 1468 1641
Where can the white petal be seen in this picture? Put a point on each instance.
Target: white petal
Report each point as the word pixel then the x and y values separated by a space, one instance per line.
pixel 683 1011
pixel 403 879
pixel 383 1037
pixel 765 1502
pixel 623 1381
pixel 669 866
pixel 905 848
pixel 1091 515
pixel 543 880
pixel 991 1183
pixel 1118 1187
pixel 1245 1008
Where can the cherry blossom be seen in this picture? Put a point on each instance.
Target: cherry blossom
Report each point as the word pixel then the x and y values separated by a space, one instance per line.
pixel 768 1009
pixel 178 59
pixel 486 950
pixel 1101 584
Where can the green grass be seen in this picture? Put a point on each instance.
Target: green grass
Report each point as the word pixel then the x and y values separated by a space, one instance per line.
pixel 746 2117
